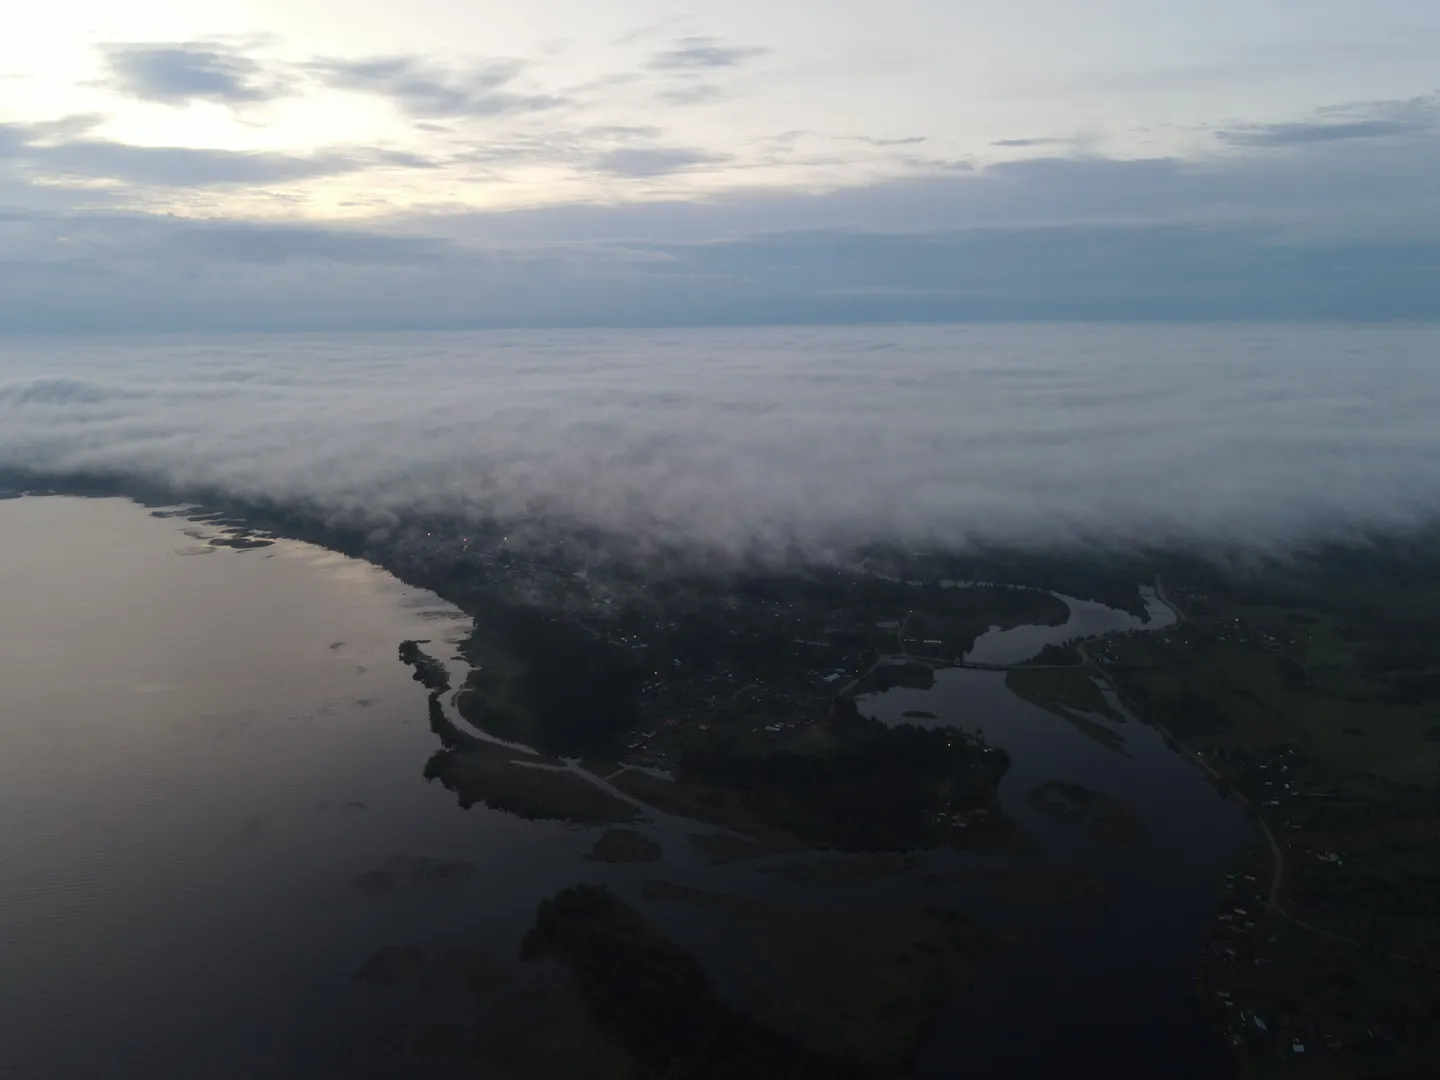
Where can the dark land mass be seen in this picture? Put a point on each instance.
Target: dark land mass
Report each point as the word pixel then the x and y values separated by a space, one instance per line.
pixel 657 1000
pixel 858 985
pixel 514 779
pixel 502 780
pixel 831 992
pixel 466 1012
pixel 1066 655
pixel 840 781
pixel 429 672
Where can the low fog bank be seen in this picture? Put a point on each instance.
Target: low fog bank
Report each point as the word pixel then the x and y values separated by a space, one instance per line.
pixel 774 441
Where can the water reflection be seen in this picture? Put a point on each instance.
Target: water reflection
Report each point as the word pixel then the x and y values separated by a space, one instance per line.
pixel 199 757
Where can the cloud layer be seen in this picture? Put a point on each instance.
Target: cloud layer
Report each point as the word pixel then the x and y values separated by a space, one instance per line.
pixel 182 72
pixel 1261 436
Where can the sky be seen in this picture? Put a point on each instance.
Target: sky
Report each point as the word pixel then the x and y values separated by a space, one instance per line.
pixel 286 164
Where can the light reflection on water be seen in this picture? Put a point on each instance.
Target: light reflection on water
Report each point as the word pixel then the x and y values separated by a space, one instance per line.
pixel 197 758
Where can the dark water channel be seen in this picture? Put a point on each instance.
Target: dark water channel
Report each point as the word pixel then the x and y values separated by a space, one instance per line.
pixel 201 753
pixel 1087 619
pixel 1097 986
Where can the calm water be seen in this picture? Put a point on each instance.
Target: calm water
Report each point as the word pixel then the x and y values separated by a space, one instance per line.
pixel 200 753
pixel 1103 981
pixel 1087 619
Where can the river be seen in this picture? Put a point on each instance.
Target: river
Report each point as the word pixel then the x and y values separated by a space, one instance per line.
pixel 1104 981
pixel 1087 619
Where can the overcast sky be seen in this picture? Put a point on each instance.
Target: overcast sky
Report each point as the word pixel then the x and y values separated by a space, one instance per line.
pixel 286 163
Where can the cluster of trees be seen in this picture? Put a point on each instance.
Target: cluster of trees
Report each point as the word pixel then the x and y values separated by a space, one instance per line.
pixel 574 693
pixel 875 788
pixel 1066 654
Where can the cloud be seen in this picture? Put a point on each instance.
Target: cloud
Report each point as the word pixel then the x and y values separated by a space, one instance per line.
pixel 645 161
pixel 1368 120
pixel 1028 142
pixel 185 167
pixel 869 140
pixel 703 53
pixel 137 272
pixel 1345 229
pixel 272 245
pixel 696 94
pixel 63 150
pixel 181 73
pixel 424 89
pixel 762 441
pixel 608 148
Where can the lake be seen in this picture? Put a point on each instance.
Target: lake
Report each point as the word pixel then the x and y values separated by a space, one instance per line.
pixel 201 753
